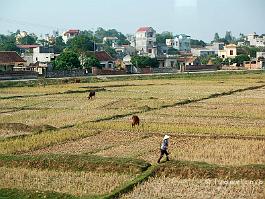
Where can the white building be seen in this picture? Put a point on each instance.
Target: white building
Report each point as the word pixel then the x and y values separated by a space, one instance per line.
pixel 260 54
pixel 182 42
pixel 170 42
pixel 202 52
pixel 70 34
pixel 228 52
pixel 112 40
pixel 256 40
pixel 216 46
pixel 167 61
pixel 145 39
pixel 125 49
pixel 43 54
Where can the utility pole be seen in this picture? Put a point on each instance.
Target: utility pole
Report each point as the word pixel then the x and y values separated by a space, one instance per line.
pixel 94 42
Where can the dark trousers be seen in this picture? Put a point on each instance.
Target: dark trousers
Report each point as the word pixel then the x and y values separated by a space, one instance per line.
pixel 162 152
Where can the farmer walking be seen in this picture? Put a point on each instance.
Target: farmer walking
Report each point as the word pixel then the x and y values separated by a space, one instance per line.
pixel 163 149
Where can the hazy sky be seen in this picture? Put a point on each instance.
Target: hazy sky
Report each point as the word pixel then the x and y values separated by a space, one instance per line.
pixel 198 18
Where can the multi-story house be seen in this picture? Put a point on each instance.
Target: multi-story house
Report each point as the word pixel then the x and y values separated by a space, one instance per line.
pixel 43 54
pixel 145 41
pixel 228 52
pixel 182 42
pixel 70 34
pixel 256 40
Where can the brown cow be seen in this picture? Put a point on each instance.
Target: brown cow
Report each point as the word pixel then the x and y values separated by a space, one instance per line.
pixel 135 120
pixel 91 94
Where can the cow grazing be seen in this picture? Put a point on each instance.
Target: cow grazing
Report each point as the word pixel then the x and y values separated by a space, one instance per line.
pixel 135 120
pixel 91 94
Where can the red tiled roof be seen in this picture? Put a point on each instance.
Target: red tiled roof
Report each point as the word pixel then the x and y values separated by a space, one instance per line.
pixel 186 59
pixel 72 31
pixel 143 29
pixel 10 57
pixel 103 56
pixel 27 46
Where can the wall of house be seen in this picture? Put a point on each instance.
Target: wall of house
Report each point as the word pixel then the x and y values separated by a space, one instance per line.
pixel 72 73
pixel 144 42
pixel 254 64
pixel 260 54
pixel 43 57
pixel 182 43
pixel 202 52
pixel 228 54
pixel 13 75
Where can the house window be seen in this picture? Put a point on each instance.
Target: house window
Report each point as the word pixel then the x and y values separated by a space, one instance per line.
pixel 149 50
pixel 223 56
pixel 231 52
pixel 150 42
pixel 172 63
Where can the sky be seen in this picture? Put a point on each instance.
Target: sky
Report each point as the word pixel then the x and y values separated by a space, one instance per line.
pixel 198 18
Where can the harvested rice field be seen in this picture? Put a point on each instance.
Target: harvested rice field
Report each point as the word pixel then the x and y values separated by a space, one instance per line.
pixel 56 143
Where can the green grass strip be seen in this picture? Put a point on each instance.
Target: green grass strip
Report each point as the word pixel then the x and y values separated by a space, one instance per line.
pixel 202 170
pixel 75 163
pixel 7 193
pixel 131 184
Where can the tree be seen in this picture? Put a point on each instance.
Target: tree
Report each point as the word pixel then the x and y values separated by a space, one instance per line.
pixel 228 36
pixel 161 38
pixel 204 59
pixel 81 44
pixel 226 61
pixel 59 45
pixel 216 37
pixel 197 43
pixel 217 61
pixel 66 61
pixel 144 61
pixel 27 40
pixel 249 51
pixel 91 61
pixel 172 51
pixel 100 33
pixel 239 59
pixel 8 43
pixel 111 51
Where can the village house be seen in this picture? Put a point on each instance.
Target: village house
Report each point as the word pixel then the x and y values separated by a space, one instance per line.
pixel 202 52
pixel 170 43
pixel 125 49
pixel 189 60
pixel 216 46
pixel 106 61
pixel 256 40
pixel 228 52
pixel 260 54
pixel 182 42
pixel 43 54
pixel 26 52
pixel 10 61
pixel 167 61
pixel 145 39
pixel 257 63
pixel 70 34
pixel 112 40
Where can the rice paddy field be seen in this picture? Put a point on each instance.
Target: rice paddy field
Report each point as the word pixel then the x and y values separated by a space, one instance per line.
pixel 55 143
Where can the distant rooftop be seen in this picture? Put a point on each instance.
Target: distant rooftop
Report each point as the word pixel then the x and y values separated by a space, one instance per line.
pixel 27 46
pixel 10 57
pixel 143 29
